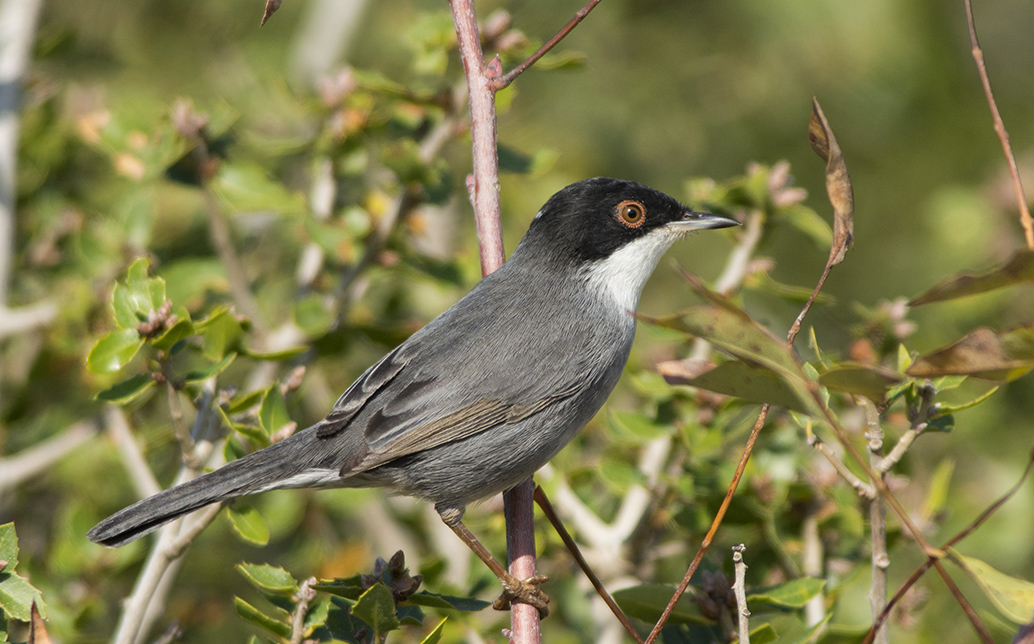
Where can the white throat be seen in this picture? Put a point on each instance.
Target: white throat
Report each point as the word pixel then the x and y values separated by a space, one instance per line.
pixel 622 275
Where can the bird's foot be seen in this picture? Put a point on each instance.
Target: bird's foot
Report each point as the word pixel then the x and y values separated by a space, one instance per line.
pixel 526 591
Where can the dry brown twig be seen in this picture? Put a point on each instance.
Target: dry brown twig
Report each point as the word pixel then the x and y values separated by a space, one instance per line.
pixel 999 126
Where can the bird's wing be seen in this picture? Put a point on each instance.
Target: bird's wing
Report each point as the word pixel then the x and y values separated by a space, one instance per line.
pixel 454 380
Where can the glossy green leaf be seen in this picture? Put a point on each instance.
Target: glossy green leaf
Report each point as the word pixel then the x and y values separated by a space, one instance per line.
pixel 125 308
pixel 317 614
pixel 349 587
pixel 376 607
pixel 269 578
pixel 114 351
pixel 435 635
pixel 434 600
pixel 248 523
pixel 340 623
pixel 647 602
pixel 944 409
pixel 245 401
pixel 863 380
pixel 278 627
pixel 9 546
pixel 273 412
pixel 410 615
pixel 1013 597
pixel 793 594
pixel 129 390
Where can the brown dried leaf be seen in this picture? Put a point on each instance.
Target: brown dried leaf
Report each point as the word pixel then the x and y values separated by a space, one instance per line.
pixel 37 628
pixel 838 182
pixel 1020 268
pixel 983 353
pixel 271 7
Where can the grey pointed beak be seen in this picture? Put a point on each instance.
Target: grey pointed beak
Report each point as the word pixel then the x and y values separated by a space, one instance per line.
pixel 701 221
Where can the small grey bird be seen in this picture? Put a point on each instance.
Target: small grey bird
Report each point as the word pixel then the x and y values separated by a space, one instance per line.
pixel 490 390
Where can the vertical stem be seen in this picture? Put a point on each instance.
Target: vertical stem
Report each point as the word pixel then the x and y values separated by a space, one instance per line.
pixel 877 523
pixel 518 506
pixel 520 528
pixel 485 191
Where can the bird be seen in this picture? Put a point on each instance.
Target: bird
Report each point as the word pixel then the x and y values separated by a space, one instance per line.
pixel 489 391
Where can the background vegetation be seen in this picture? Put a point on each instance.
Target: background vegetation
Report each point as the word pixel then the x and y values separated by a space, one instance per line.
pixel 149 127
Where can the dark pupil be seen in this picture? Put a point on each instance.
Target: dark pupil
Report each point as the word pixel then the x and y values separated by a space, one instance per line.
pixel 631 213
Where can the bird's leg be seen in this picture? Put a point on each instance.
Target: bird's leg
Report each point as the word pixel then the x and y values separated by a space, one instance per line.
pixel 523 590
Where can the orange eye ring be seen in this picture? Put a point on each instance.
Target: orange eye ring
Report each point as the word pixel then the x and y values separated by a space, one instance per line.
pixel 631 213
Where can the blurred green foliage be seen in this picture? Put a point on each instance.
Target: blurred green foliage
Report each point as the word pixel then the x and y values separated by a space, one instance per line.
pixel 156 135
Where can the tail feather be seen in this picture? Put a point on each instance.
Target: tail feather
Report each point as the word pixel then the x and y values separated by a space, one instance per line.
pixel 284 464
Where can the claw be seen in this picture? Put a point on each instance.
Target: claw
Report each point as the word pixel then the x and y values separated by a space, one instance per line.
pixel 526 591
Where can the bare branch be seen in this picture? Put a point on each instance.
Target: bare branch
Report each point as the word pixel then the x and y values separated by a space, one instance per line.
pixel 139 472
pixel 877 522
pixel 504 81
pixel 860 486
pixel 304 597
pixel 999 125
pixel 38 458
pixel 572 547
pixel 739 588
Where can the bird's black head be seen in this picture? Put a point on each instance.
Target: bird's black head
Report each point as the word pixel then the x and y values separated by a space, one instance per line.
pixel 591 220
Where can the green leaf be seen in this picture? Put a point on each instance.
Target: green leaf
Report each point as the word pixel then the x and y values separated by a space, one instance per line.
pixel 1013 597
pixel 276 626
pixel 9 546
pixel 247 187
pixel 272 356
pixel 863 380
pixel 340 623
pixel 183 328
pixel 729 329
pixel 763 634
pixel 273 412
pixel 648 601
pixel 127 391
pixel 125 308
pixel 746 381
pixel 248 523
pixel 944 410
pixel 312 315
pixel 317 615
pixel 114 351
pixel 793 594
pixel 637 425
pixel 17 595
pixel 434 600
pixel 220 333
pixel 937 497
pixel 410 615
pixel 810 224
pixel 376 607
pixel 272 579
pixel 621 475
pixel 435 635
pixel 1019 268
pixel 942 424
pixel 209 371
pixel 245 401
pixel 349 587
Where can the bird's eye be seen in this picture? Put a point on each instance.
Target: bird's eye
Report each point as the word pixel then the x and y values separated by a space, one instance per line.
pixel 631 213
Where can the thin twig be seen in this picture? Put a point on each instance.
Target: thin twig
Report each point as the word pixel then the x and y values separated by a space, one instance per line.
pixel 877 522
pixel 739 589
pixel 860 486
pixel 918 572
pixel 504 81
pixel 999 126
pixel 572 547
pixel 717 521
pixel 304 597
pixel 237 276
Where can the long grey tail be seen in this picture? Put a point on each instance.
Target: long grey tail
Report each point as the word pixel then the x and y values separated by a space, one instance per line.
pixel 266 469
